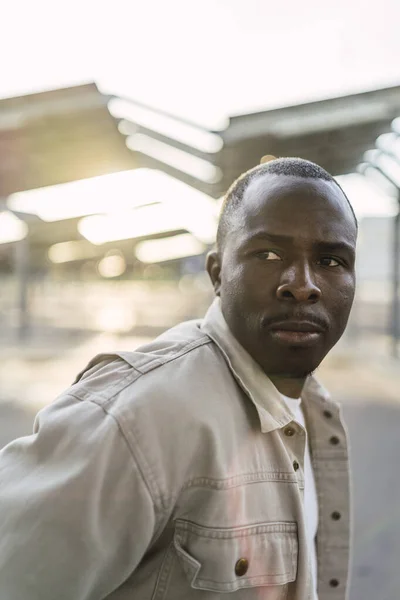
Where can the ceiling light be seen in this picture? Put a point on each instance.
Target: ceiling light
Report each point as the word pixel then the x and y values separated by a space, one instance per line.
pixel 366 199
pixel 187 134
pixel 171 248
pixel 149 220
pixel 88 196
pixel 177 159
pixel 71 251
pixel 378 178
pixel 113 265
pixel 12 229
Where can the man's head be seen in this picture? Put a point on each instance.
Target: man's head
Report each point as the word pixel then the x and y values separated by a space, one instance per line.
pixel 284 264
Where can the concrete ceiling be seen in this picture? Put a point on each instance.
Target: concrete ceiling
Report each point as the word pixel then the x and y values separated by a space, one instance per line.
pixel 335 133
pixel 56 137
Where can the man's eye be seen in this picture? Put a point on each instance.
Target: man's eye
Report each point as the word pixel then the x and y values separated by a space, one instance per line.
pixel 329 261
pixel 268 255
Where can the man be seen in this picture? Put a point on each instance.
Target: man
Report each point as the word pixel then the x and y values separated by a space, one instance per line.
pixel 210 463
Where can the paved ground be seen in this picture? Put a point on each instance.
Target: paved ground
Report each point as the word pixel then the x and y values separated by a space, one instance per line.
pixel 374 429
pixel 369 389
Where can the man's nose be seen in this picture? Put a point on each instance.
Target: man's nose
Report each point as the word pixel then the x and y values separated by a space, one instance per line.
pixel 298 285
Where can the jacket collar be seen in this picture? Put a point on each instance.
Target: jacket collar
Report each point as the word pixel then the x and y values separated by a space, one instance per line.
pixel 272 410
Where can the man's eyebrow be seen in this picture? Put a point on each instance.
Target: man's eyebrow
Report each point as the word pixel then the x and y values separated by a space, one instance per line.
pixel 334 246
pixel 270 237
pixel 322 245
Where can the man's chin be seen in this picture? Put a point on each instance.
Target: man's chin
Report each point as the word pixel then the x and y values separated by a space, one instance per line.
pixel 293 364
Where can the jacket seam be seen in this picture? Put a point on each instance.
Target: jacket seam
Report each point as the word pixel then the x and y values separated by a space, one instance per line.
pixel 239 480
pixel 137 373
pixel 160 362
pixel 188 348
pixel 125 381
pixel 155 497
pixel 130 439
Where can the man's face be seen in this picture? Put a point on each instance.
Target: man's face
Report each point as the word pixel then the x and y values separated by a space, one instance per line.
pixel 285 274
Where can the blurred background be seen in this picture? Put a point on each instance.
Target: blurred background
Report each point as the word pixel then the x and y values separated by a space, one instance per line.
pixel 121 127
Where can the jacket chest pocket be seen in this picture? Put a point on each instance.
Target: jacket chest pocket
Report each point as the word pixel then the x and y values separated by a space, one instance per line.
pixel 204 562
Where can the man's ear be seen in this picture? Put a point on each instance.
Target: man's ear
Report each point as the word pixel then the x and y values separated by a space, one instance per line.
pixel 213 266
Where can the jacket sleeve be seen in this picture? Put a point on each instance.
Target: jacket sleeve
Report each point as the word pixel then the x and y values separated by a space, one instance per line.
pixel 76 516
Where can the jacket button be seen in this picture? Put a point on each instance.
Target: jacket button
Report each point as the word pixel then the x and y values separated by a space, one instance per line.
pixel 296 465
pixel 334 440
pixel 289 431
pixel 327 414
pixel 333 583
pixel 241 567
pixel 336 515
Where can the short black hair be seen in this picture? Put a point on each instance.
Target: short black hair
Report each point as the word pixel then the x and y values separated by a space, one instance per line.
pixel 292 166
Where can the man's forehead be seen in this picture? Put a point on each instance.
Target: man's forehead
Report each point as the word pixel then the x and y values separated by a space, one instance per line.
pixel 270 186
pixel 281 192
pixel 287 202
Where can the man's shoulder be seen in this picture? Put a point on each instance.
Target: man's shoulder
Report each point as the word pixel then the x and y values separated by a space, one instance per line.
pixel 176 358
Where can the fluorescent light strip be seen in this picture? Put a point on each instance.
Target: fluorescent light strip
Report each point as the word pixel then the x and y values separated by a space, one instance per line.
pixel 386 141
pixel 381 182
pixel 390 167
pixel 189 135
pixel 70 251
pixel 12 229
pixel 150 220
pixel 366 199
pixel 101 194
pixel 175 158
pixel 396 125
pixel 141 222
pixel 171 248
pixel 390 143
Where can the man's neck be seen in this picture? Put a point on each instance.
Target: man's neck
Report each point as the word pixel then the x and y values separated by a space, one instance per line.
pixel 288 386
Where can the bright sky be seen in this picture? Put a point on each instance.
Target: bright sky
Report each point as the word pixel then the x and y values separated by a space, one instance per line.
pixel 205 59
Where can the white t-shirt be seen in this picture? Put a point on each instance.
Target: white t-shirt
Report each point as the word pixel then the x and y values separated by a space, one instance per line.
pixel 310 492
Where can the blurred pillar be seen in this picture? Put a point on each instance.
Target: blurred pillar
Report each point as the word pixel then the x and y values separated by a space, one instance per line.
pixel 396 277
pixel 22 274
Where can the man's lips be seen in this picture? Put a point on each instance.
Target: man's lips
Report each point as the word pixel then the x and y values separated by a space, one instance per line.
pixel 302 326
pixel 296 333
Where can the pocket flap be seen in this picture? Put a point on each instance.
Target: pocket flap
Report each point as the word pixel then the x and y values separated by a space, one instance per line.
pixel 225 560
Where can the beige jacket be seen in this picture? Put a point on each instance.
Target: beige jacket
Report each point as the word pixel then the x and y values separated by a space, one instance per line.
pixel 169 474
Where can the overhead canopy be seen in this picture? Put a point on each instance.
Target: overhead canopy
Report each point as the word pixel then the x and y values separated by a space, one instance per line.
pixel 58 136
pixel 334 133
pixel 78 133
